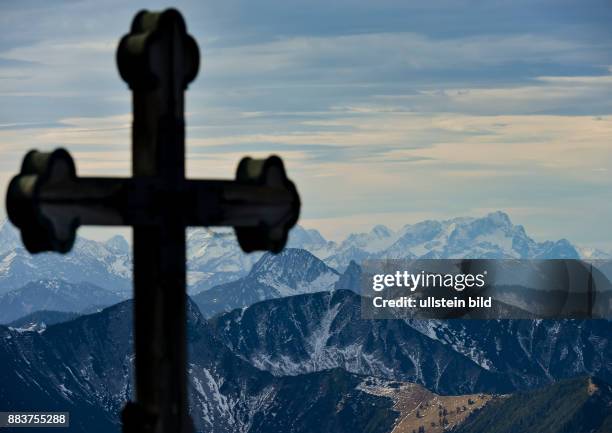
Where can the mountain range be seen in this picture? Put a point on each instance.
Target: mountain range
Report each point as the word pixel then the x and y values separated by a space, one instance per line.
pixel 234 279
pixel 85 366
pixel 264 328
pixel 490 237
pixel 214 257
pixel 313 332
pixel 292 272
pixel 107 265
pixel 318 331
pixel 55 295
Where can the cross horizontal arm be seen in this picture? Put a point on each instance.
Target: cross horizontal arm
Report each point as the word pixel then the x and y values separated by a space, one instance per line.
pixel 50 202
pixel 231 203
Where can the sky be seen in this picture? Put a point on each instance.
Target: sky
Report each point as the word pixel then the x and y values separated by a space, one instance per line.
pixel 385 112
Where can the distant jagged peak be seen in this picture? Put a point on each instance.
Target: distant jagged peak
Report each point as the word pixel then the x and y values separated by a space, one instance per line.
pixel 499 217
pixel 378 238
pixel 292 271
pixel 196 233
pixel 492 236
pixel 381 231
pixel 312 240
pixel 53 294
pixel 302 234
pixel 9 236
pixel 205 244
pixel 352 267
pixel 350 278
pixel 290 260
pixel 429 223
pixel 118 244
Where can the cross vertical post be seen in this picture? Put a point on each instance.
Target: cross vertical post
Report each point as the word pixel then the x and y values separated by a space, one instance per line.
pixel 158 59
pixel 47 201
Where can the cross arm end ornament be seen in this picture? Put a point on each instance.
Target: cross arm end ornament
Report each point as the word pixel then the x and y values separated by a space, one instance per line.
pixel 24 196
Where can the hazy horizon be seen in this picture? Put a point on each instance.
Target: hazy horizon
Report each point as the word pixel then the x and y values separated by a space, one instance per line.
pixel 103 234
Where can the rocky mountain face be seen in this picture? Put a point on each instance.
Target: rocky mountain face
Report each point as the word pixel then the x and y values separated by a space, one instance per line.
pixel 85 366
pixel 315 332
pixel 291 272
pixel 529 353
pixel 80 366
pixel 324 330
pixel 55 295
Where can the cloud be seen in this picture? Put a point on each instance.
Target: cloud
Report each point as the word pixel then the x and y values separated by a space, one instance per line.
pixel 380 109
pixel 400 56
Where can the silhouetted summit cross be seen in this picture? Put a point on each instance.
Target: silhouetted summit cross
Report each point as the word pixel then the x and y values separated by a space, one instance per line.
pixel 47 201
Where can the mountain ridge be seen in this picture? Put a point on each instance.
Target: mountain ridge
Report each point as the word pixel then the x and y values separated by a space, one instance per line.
pixel 215 258
pixel 86 366
pixel 291 272
pixel 311 332
pixel 53 294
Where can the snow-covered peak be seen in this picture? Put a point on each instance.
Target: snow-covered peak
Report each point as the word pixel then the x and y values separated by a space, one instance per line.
pixel 290 263
pixel 118 244
pixel 9 236
pixel 491 236
pixel 380 231
pixel 214 256
pixel 293 271
pixel 300 236
pixel 378 239
pixel 499 218
pixel 311 240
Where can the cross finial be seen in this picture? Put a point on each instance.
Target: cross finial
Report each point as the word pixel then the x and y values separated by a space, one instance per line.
pixel 143 65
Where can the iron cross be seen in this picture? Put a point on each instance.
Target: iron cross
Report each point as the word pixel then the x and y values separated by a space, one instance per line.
pixel 47 201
